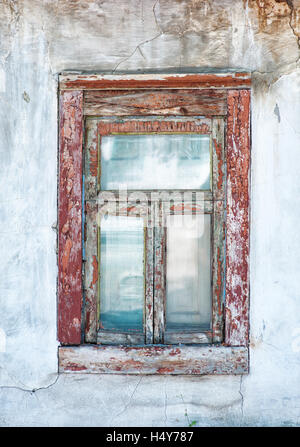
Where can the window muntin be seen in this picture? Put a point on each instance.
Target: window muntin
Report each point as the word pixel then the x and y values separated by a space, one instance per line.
pixel 160 206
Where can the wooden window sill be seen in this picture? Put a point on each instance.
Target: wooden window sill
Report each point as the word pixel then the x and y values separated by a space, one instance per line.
pixel 155 359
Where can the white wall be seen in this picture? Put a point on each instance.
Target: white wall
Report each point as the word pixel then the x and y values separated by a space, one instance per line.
pixel 37 41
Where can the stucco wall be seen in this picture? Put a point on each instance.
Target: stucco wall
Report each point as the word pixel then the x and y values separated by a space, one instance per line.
pixel 37 41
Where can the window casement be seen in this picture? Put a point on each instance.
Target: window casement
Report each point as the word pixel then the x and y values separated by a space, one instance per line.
pixel 154 223
pixel 158 244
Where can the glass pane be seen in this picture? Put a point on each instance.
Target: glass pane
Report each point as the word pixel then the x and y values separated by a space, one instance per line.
pixel 122 273
pixel 188 272
pixel 155 161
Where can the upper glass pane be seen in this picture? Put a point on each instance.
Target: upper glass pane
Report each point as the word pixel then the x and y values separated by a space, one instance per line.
pixel 155 161
pixel 122 273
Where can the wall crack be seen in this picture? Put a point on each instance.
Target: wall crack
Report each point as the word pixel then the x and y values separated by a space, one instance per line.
pixel 138 47
pixel 130 399
pixel 28 390
pixel 242 397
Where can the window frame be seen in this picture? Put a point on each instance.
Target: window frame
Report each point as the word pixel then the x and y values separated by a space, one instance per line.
pixel 213 203
pixel 217 95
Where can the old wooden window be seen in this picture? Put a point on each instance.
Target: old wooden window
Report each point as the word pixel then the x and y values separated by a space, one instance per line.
pixel 154 175
pixel 154 203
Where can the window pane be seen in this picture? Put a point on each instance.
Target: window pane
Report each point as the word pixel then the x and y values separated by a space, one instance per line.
pixel 188 272
pixel 122 273
pixel 155 161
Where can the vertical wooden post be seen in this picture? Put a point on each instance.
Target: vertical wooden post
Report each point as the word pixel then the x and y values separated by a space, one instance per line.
pixel 70 217
pixel 237 225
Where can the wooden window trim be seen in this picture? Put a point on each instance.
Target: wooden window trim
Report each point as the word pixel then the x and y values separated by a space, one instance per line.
pixel 232 356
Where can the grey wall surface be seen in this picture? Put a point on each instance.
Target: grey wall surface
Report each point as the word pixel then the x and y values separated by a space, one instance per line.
pixel 38 40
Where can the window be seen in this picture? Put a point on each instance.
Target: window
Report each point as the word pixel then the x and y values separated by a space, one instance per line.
pixel 154 203
pixel 154 224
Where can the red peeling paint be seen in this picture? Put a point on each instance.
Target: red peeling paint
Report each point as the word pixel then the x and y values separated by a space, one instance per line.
pixel 206 80
pixel 95 272
pixel 237 238
pixel 218 148
pixel 165 370
pixel 107 128
pixel 75 367
pixel 70 190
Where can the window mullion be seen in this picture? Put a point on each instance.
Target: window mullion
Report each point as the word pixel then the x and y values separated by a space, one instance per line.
pixel 149 272
pixel 159 275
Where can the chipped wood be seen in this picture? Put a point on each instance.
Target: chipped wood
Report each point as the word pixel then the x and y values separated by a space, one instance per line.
pixel 218 272
pixel 154 360
pixel 69 212
pixel 152 81
pixel 218 159
pixel 149 275
pixel 91 273
pixel 181 337
pixel 134 93
pixel 92 165
pixel 155 102
pixel 120 338
pixel 201 126
pixel 237 222
pixel 183 207
pixel 159 276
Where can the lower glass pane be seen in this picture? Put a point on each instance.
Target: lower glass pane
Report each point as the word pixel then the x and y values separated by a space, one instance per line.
pixel 122 273
pixel 188 273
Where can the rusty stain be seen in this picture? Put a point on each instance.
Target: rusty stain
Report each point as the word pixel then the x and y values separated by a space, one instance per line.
pixel 164 370
pixel 75 367
pixel 95 271
pixel 185 207
pixel 66 255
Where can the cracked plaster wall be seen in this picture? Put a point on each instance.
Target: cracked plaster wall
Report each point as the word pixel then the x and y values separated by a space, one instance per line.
pixel 37 41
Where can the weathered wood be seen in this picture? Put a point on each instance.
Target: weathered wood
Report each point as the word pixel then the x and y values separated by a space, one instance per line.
pixel 237 222
pixel 232 359
pixel 155 102
pixel 149 275
pixel 178 337
pixel 154 360
pixel 120 338
pixel 92 165
pixel 153 196
pixel 91 273
pixel 187 208
pixel 159 276
pixel 70 217
pixel 218 159
pixel 152 81
pixel 202 126
pixel 218 272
